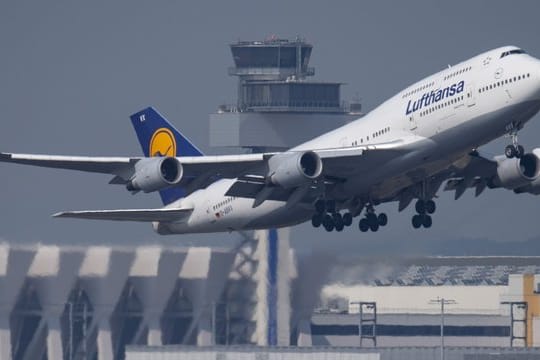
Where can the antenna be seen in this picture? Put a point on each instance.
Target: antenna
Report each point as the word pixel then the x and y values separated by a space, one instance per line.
pixel 443 302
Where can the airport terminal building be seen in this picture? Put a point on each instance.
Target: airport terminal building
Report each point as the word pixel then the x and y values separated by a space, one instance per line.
pixel 87 303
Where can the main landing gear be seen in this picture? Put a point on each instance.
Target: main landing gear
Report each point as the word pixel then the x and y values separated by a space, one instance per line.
pixel 514 150
pixel 372 221
pixel 327 216
pixel 423 208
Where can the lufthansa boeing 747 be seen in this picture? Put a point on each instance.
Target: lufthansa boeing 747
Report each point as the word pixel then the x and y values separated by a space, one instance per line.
pixel 423 138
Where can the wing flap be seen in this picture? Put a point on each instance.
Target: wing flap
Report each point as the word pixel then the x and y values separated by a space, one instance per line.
pixel 143 215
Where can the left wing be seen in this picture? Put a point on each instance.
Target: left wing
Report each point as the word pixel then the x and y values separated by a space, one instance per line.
pixel 164 214
pixel 123 168
pixel 104 165
pixel 198 171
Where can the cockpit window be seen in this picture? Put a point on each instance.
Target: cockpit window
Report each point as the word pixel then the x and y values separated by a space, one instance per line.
pixel 512 52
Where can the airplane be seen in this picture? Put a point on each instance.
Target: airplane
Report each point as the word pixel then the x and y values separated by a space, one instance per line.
pixel 403 150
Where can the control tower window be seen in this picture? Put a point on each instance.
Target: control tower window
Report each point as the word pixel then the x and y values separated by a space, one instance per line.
pixel 287 57
pixel 255 56
pixel 269 56
pixel 292 95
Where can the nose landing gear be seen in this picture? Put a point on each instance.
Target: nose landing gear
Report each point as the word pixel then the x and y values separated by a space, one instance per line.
pixel 514 150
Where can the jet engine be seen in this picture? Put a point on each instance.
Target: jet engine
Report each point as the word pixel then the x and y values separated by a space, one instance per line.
pixel 157 173
pixel 516 173
pixel 292 169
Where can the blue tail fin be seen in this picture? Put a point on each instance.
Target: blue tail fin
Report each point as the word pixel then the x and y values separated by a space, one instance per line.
pixel 159 138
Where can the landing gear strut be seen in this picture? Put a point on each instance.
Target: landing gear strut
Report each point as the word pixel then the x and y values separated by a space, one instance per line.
pixel 514 150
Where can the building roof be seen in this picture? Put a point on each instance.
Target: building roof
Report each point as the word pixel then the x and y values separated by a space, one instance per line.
pixel 437 271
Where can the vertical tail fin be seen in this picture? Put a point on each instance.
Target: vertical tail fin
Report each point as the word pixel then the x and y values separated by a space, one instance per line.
pixel 159 138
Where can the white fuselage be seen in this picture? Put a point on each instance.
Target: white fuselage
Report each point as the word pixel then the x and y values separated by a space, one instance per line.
pixel 447 114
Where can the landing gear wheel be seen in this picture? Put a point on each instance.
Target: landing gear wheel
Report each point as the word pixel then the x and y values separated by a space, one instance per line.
pixel 374 226
pixel 417 221
pixel 510 151
pixel 382 219
pixel 347 219
pixel 430 206
pixel 363 225
pixel 426 221
pixel 338 221
pixel 420 207
pixel 316 220
pixel 329 227
pixel 328 222
pixel 331 206
pixel 372 219
pixel 320 206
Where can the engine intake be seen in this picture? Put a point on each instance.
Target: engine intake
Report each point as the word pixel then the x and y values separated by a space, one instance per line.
pixel 292 169
pixel 153 174
pixel 515 173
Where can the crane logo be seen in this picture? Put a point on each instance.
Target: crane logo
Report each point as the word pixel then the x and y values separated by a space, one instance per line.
pixel 163 143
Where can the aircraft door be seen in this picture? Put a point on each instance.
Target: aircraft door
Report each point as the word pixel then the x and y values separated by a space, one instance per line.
pixel 412 123
pixel 471 96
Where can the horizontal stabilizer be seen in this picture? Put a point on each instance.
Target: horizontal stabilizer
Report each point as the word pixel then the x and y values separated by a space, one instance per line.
pixel 128 214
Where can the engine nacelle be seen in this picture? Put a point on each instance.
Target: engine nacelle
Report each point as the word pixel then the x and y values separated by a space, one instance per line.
pixel 515 173
pixel 532 187
pixel 157 173
pixel 292 169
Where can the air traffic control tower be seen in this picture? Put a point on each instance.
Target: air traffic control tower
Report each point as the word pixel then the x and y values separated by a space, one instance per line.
pixel 277 107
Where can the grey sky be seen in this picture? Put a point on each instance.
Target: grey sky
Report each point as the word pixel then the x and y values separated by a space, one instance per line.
pixel 72 72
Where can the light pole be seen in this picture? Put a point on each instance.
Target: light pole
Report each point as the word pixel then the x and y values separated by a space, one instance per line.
pixel 443 302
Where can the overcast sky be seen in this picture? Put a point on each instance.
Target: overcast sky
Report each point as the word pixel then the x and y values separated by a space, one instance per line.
pixel 72 72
